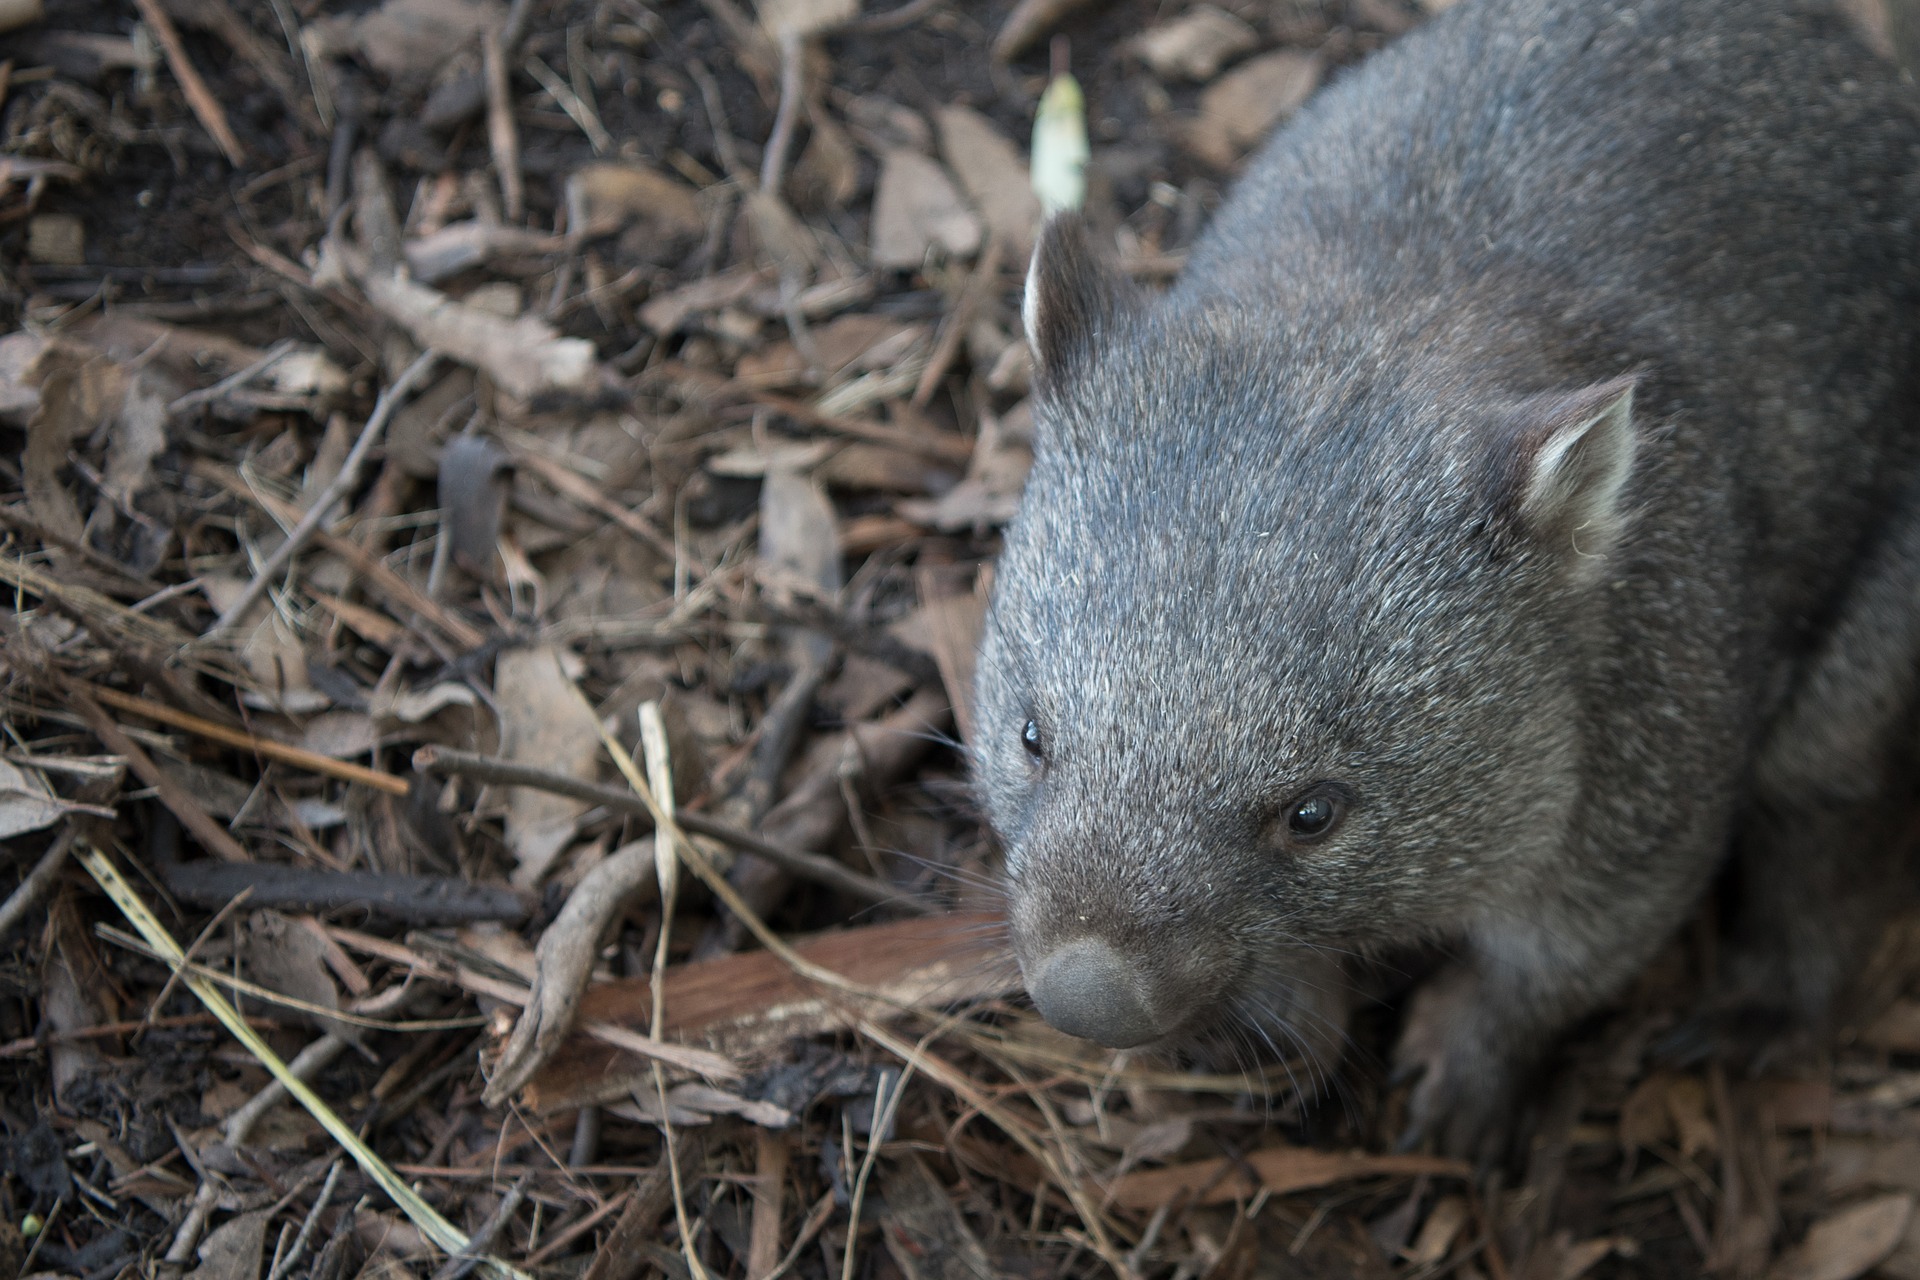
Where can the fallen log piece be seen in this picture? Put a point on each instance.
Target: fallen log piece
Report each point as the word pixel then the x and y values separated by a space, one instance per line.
pixel 747 1004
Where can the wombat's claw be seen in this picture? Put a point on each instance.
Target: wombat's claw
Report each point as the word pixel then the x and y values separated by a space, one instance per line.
pixel 1747 1034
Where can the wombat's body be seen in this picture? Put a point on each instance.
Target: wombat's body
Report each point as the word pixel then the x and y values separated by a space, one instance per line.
pixel 1511 510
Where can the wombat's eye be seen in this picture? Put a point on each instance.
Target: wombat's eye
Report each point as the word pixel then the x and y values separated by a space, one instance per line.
pixel 1312 815
pixel 1030 739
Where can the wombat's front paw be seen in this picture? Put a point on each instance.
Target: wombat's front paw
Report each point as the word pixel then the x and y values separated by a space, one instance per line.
pixel 1463 1098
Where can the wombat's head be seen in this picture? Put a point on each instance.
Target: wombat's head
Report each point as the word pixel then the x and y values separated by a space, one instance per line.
pixel 1278 652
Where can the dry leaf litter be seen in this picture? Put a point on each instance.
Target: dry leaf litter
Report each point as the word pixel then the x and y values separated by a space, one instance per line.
pixel 498 501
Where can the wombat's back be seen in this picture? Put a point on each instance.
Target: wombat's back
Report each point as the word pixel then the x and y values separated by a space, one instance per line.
pixel 1720 196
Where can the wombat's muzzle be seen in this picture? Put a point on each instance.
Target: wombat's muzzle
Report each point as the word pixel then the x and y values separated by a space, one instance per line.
pixel 1087 989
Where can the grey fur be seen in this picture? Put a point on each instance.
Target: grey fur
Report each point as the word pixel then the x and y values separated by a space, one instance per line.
pixel 1285 528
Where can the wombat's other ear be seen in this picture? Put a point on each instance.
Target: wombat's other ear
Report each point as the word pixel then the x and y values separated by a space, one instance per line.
pixel 1574 453
pixel 1073 291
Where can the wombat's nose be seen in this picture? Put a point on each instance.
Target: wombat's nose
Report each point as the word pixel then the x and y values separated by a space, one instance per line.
pixel 1087 989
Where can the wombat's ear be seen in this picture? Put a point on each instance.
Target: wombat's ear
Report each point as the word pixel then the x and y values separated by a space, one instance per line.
pixel 1074 291
pixel 1573 455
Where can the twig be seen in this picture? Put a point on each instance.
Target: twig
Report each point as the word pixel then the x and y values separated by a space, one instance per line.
pixel 809 866
pixel 285 1264
pixel 267 748
pixel 206 107
pixel 773 165
pixel 621 1258
pixel 984 280
pixel 464 1261
pixel 227 908
pixel 409 899
pixel 211 835
pixel 338 488
pixel 804 608
pixel 38 882
pixel 106 1030
pixel 885 1103
pixel 571 103
pixel 716 106
pixel 503 136
pixel 194 399
pixel 945 446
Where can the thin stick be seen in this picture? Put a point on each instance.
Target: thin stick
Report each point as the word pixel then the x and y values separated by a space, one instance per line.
pixel 466 1259
pixel 39 881
pixel 884 1105
pixel 773 165
pixel 985 277
pixel 105 1030
pixel 808 866
pixel 267 748
pixel 503 136
pixel 193 399
pixel 233 904
pixel 299 1246
pixel 206 107
pixel 341 484
pixel 213 837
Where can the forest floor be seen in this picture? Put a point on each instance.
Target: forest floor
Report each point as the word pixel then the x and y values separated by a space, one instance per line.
pixel 326 662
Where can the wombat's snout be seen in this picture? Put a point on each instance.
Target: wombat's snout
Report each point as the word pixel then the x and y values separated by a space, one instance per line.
pixel 1087 989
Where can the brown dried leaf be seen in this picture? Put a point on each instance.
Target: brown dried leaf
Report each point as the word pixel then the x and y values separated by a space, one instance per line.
pixel 1693 1127
pixel 798 532
pixel 1239 109
pixel 924 1230
pixel 269 648
pixel 1645 1120
pixel 234 1249
pixel 19 389
pixel 784 241
pixel 455 248
pixel 1849 1243
pixel 278 953
pixel 828 172
pixel 26 802
pixel 604 198
pixel 138 436
pixel 59 420
pixel 916 209
pixel 1030 22
pixel 1897 1029
pixel 543 723
pixel 994 176
pixel 1857 1164
pixel 523 355
pixel 409 40
pixel 1278 1169
pixel 57 239
pixel 1195 45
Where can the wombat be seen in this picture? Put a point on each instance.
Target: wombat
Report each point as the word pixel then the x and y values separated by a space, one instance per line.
pixel 1510 511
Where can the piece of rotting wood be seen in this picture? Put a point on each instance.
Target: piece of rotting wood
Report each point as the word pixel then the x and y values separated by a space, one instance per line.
pixel 747 1004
